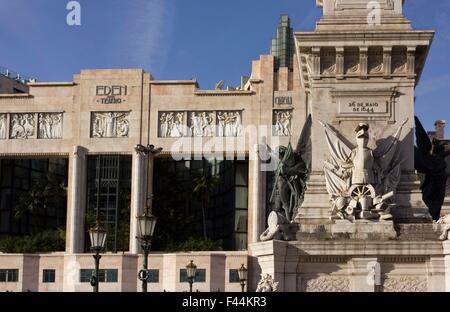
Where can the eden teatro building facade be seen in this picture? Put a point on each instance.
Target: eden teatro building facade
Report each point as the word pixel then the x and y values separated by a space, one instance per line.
pixel 74 146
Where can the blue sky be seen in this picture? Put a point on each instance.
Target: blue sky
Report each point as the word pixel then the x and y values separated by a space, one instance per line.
pixel 208 40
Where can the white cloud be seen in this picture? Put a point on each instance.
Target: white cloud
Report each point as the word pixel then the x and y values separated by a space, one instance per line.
pixel 147 32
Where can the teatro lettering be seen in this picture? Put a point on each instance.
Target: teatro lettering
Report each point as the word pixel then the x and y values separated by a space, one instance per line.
pixel 111 94
pixel 363 107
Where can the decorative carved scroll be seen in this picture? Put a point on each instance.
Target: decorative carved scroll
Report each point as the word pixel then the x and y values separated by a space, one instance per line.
pixel 405 284
pixel 327 284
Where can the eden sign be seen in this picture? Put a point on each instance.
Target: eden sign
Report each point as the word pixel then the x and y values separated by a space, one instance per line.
pixel 111 94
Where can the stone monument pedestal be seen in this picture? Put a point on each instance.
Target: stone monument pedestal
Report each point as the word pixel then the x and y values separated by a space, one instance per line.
pixel 363 230
pixel 353 265
pixel 344 229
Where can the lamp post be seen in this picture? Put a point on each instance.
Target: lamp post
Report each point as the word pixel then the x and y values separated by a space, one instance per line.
pixel 243 274
pixel 191 270
pixel 146 221
pixel 146 228
pixel 98 238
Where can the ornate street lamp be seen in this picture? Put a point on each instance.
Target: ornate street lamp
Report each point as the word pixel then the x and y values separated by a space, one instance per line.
pixel 98 238
pixel 146 221
pixel 243 274
pixel 191 270
pixel 146 228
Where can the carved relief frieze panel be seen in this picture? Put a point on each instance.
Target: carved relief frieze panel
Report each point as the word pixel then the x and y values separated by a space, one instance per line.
pixel 201 124
pixel 229 123
pixel 282 119
pixel 110 124
pixel 404 284
pixel 23 126
pixel 3 126
pixel 171 124
pixel 326 283
pixel 176 124
pixel 50 126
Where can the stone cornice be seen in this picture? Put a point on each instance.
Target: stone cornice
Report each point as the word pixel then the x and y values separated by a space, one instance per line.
pixel 223 93
pixel 364 38
pixel 386 92
pixel 16 96
pixel 34 155
pixel 51 84
pixel 174 82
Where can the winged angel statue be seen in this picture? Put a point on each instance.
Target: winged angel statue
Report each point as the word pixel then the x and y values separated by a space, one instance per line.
pixel 289 188
pixel 362 182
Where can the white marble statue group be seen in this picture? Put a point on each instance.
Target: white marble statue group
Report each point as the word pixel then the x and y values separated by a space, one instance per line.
pixel 110 125
pixel 362 182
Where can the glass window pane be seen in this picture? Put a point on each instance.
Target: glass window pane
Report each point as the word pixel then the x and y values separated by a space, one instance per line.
pixel 48 276
pixel 241 197
pixel 233 276
pixel 153 276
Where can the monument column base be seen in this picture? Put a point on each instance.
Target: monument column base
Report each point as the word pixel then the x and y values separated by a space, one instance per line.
pixel 354 265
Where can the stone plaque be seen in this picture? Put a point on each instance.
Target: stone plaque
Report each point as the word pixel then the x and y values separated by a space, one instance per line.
pixel 364 107
pixel 355 104
pixel 283 98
